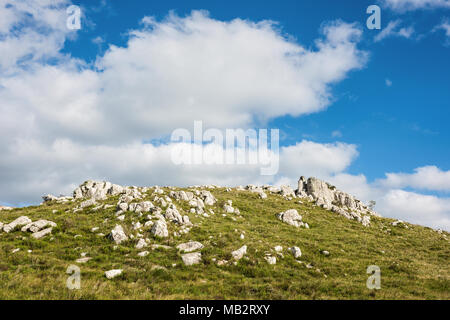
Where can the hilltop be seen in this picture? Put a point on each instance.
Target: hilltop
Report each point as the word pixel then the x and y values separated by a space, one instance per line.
pixel 211 242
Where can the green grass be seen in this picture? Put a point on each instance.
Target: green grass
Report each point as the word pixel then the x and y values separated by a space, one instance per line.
pixel 414 261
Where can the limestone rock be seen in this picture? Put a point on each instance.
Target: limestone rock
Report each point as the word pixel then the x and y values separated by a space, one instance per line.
pixel 43 233
pixel 291 217
pixel 270 259
pixel 296 252
pixel 239 253
pixel 190 246
pixel 97 190
pixel 19 222
pixel 37 226
pixel 113 273
pixel 118 235
pixel 159 229
pixel 191 258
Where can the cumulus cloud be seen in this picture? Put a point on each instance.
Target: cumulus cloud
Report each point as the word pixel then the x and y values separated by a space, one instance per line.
pixel 393 29
pixel 424 178
pixel 410 5
pixel 31 31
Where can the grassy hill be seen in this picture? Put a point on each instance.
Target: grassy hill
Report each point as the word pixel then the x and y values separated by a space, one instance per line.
pixel 414 260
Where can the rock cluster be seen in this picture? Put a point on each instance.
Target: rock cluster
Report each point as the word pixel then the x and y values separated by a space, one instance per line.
pixel 36 228
pixel 293 218
pixel 330 198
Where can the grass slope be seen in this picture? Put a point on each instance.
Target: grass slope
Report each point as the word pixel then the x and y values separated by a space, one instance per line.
pixel 414 261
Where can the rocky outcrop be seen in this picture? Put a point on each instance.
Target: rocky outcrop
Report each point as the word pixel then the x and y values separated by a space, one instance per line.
pixel 5 208
pixel 19 222
pixel 97 190
pixel 330 198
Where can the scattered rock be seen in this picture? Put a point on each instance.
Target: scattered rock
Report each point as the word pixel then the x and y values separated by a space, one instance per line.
pixel 19 222
pixel 43 233
pixel 238 254
pixel 278 248
pixel 190 246
pixel 291 217
pixel 325 252
pixel 141 244
pixel 296 252
pixel 113 273
pixel 118 235
pixel 271 259
pixel 191 258
pixel 83 260
pixel 37 226
pixel 159 229
pixel 143 253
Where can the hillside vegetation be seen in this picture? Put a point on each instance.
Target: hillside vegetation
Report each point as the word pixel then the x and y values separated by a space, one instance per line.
pixel 414 260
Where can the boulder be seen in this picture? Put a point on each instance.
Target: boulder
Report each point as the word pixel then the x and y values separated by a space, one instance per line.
pixel 296 252
pixel 113 273
pixel 159 229
pixel 118 235
pixel 239 253
pixel 43 233
pixel 37 225
pixel 19 222
pixel 191 258
pixel 190 246
pixel 270 259
pixel 291 217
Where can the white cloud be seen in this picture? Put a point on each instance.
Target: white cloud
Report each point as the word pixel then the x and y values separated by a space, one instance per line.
pixel 388 82
pixel 416 208
pixel 393 29
pixel 31 31
pixel 423 178
pixel 410 5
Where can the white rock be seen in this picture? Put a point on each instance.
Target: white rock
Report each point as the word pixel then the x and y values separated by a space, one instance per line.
pixel 191 258
pixel 159 229
pixel 239 253
pixel 37 226
pixel 291 217
pixel 143 253
pixel 190 246
pixel 21 221
pixel 271 259
pixel 43 233
pixel 141 244
pixel 83 260
pixel 118 235
pixel 278 248
pixel 296 252
pixel 113 273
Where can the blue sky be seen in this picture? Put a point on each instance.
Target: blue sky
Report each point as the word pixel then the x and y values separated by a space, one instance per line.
pixel 369 104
